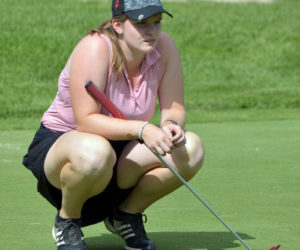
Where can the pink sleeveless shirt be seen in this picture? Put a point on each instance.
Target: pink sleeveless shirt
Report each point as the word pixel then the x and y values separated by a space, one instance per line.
pixel 136 103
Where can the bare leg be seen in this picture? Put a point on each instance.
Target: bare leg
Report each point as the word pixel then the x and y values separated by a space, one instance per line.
pixel 80 164
pixel 140 168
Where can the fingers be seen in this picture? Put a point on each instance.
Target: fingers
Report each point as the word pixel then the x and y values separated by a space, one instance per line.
pixel 176 134
pixel 163 140
pixel 157 140
pixel 162 148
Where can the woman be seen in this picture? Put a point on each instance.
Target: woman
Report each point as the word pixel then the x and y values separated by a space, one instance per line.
pixel 91 166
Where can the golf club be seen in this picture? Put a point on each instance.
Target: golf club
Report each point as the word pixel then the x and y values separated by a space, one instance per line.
pixel 115 112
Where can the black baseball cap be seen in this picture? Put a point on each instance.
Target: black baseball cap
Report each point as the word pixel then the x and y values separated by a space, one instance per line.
pixel 137 9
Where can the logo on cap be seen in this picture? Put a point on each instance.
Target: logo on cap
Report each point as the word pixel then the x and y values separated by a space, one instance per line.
pixel 140 17
pixel 117 4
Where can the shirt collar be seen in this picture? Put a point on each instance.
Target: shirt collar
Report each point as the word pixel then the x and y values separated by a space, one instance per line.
pixel 150 59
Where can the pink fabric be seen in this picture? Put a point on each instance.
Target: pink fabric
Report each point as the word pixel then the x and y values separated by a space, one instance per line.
pixel 137 104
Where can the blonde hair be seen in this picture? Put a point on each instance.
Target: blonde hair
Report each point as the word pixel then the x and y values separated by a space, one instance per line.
pixel 118 60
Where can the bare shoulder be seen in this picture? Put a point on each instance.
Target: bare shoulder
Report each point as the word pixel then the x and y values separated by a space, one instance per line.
pixel 92 43
pixel 89 61
pixel 166 46
pixel 90 50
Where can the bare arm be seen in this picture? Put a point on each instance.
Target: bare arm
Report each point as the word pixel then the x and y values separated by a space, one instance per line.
pixel 171 91
pixel 90 62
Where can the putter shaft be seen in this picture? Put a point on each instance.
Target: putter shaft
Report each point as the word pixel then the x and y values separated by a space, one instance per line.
pixel 199 197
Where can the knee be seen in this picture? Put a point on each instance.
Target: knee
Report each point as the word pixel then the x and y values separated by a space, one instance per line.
pixel 191 156
pixel 95 158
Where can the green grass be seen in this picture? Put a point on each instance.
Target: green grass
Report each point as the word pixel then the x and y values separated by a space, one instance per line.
pixel 234 56
pixel 241 65
pixel 250 178
pixel 242 56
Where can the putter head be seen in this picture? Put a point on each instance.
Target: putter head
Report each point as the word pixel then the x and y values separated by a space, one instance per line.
pixel 274 248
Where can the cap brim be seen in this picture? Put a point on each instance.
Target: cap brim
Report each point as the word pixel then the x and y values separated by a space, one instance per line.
pixel 145 13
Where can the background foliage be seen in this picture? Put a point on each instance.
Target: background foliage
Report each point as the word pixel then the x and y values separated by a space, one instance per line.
pixel 235 56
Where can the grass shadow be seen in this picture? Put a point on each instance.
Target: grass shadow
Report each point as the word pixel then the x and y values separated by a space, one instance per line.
pixel 174 241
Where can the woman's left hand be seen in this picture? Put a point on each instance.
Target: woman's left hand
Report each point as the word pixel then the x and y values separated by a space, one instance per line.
pixel 175 133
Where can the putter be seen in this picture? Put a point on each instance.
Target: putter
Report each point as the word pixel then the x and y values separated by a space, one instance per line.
pixel 115 112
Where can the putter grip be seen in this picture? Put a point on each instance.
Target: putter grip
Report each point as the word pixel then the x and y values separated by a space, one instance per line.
pixel 105 102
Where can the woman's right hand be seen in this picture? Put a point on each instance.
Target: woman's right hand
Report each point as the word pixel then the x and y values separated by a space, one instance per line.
pixel 157 140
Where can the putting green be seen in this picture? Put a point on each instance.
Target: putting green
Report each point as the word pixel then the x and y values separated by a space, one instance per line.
pixel 250 178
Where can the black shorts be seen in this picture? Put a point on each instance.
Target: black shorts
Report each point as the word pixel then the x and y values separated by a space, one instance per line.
pixel 96 208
